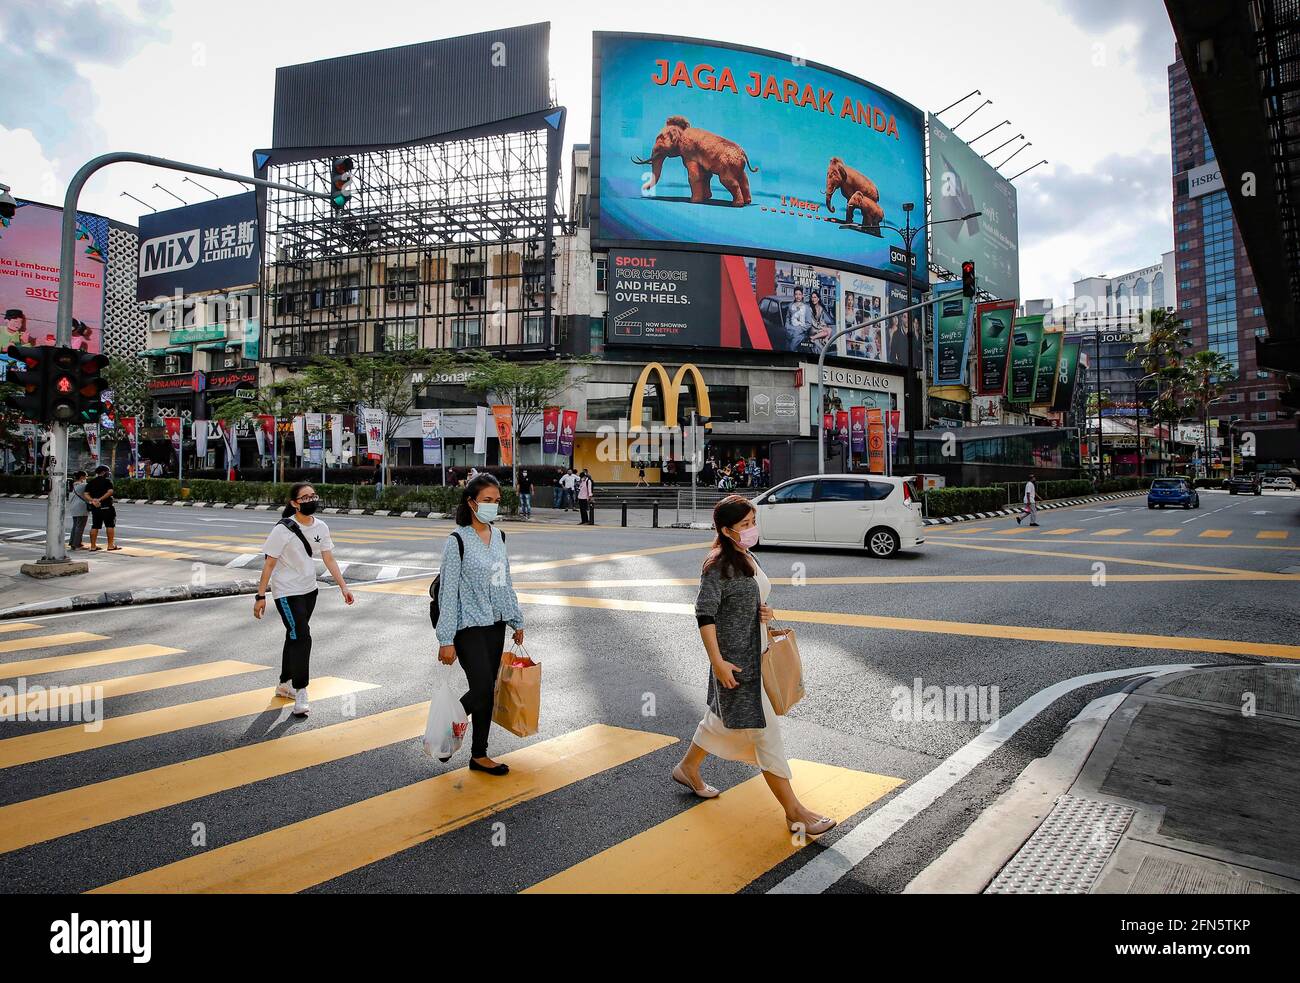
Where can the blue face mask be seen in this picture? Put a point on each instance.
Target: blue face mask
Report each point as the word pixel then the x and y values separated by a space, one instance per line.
pixel 487 511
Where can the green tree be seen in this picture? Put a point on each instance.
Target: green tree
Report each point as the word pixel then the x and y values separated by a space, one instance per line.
pixel 1161 358
pixel 283 400
pixel 128 380
pixel 527 387
pixel 1206 375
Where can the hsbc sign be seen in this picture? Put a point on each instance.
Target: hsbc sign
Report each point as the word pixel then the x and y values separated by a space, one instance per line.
pixel 1204 179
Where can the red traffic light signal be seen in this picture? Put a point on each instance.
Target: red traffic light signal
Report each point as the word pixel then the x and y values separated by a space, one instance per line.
pixel 341 181
pixel 968 279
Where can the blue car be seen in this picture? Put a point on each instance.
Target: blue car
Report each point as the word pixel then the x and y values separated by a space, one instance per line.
pixel 1173 491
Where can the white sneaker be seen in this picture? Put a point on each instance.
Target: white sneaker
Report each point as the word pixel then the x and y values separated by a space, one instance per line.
pixel 286 691
pixel 300 707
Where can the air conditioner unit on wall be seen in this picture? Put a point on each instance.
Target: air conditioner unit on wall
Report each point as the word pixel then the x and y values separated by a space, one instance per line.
pixel 460 293
pixel 172 363
pixel 230 362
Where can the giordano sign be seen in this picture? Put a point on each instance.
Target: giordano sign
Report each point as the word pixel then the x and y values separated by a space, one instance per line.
pixel 671 390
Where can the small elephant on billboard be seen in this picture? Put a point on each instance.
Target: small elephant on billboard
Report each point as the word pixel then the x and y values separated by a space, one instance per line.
pixel 859 191
pixel 705 154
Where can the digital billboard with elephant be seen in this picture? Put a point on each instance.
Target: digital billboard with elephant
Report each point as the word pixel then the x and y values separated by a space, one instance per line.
pixel 730 148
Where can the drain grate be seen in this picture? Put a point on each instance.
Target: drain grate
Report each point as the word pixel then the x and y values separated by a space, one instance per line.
pixel 1067 852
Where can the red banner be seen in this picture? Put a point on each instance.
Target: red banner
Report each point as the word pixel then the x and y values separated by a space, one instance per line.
pixel 265 435
pixel 842 427
pixel 828 422
pixel 173 426
pixel 858 415
pixel 504 418
pixel 551 430
pixel 876 441
pixel 131 424
pixel 568 428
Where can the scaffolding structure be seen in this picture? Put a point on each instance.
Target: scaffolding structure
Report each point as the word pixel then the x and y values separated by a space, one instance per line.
pixel 443 245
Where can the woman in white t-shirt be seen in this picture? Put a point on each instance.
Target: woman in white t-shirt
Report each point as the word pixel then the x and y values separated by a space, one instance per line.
pixel 290 570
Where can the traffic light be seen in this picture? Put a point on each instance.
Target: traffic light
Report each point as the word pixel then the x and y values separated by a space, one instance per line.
pixel 62 384
pixel 30 375
pixel 90 384
pixel 8 207
pixel 968 278
pixel 341 181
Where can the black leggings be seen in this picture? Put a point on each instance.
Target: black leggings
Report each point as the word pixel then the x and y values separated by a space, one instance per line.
pixel 295 612
pixel 479 651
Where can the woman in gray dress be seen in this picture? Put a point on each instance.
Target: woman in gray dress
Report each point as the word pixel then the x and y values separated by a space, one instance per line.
pixel 740 724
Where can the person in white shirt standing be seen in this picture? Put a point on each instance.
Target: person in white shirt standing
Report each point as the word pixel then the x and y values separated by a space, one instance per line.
pixel 290 570
pixel 1031 503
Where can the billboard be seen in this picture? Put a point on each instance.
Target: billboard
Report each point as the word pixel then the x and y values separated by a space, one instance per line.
pixel 1067 374
pixel 1049 364
pixel 962 183
pixel 209 246
pixel 1026 348
pixel 29 278
pixel 994 325
pixel 739 149
pixel 952 332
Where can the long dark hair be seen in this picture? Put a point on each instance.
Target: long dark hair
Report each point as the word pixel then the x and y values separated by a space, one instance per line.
pixel 464 514
pixel 294 491
pixel 726 556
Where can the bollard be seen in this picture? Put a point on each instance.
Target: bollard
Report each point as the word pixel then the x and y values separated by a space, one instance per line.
pixel 654 517
pixel 625 515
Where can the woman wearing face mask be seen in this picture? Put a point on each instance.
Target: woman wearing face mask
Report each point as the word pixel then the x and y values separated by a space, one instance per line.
pixel 290 570
pixel 476 601
pixel 739 725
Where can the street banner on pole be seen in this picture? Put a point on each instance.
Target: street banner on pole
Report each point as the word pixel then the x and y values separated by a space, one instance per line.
pixel 107 418
pixel 876 440
pixel 995 326
pixel 1049 367
pixel 201 440
pixel 842 428
pixel 1067 374
pixel 480 431
pixel 92 439
pixel 893 420
pixel 315 426
pixel 431 431
pixel 299 436
pixel 263 435
pixel 952 332
pixel 504 417
pixel 568 428
pixel 551 430
pixel 858 416
pixel 131 425
pixel 374 420
pixel 172 424
pixel 227 431
pixel 1025 349
pixel 336 435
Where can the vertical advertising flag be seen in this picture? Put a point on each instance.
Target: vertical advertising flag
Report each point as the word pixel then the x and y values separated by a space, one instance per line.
pixel 893 420
pixel 374 422
pixel 952 323
pixel 265 435
pixel 842 428
pixel 828 424
pixel 995 326
pixel 106 417
pixel 858 418
pixel 336 435
pixel 1049 364
pixel 876 440
pixel 431 435
pixel 504 419
pixel 551 430
pixel 480 431
pixel 201 439
pixel 315 425
pixel 1025 349
pixel 568 429
pixel 299 436
pixel 92 439
pixel 131 425
pixel 1067 374
pixel 173 427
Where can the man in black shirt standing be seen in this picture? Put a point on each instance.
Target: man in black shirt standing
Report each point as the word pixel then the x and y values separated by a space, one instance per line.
pixel 103 514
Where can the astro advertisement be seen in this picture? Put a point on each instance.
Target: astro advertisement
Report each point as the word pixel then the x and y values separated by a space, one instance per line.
pixel 736 149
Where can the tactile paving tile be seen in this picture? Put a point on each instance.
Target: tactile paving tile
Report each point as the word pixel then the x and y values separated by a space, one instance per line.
pixel 1068 851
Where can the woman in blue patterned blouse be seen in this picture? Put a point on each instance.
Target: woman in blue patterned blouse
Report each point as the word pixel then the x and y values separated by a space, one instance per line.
pixel 476 601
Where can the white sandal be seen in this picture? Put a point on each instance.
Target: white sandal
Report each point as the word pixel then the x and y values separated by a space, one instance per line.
pixel 819 828
pixel 707 792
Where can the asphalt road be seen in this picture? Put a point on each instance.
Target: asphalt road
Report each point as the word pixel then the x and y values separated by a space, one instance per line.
pixel 191 786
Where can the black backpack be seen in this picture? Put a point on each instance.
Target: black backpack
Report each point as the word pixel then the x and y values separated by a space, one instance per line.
pixel 435 588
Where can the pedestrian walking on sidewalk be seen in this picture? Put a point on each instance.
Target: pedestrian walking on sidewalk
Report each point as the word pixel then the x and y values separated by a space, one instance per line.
pixel 1031 503
pixel 290 572
pixel 103 513
pixel 525 489
pixel 476 601
pixel 568 481
pixel 739 724
pixel 78 510
pixel 586 499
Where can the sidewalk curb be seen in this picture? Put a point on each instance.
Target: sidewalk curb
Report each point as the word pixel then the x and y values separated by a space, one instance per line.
pixel 125 598
pixel 1062 503
pixel 245 507
pixel 972 861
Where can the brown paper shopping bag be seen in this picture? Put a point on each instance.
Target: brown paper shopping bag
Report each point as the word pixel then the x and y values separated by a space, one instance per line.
pixel 782 670
pixel 518 703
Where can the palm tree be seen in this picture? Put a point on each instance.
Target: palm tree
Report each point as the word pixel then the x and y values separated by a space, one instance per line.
pixel 1206 375
pixel 1161 357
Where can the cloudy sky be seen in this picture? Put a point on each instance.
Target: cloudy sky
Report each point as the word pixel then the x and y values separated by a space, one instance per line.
pixel 1085 80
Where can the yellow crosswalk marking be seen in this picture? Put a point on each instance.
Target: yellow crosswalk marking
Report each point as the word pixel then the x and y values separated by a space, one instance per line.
pixel 1164 532
pixel 1273 534
pixel 151 723
pixel 83 660
pixel 194 544
pixel 1016 531
pixel 304 854
pixel 62 694
pixel 1061 532
pixel 76 809
pixel 719 846
pixel 973 531
pixel 12 626
pixel 48 641
pixel 1111 532
pixel 156 554
pixel 1216 534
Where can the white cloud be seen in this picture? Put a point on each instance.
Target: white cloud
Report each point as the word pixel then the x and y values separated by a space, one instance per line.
pixel 27 170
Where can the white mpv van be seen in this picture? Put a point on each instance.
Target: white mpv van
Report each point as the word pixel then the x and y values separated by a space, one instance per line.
pixel 867 511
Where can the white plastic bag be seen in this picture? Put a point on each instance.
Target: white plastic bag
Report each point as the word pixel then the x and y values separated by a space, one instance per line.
pixel 447 723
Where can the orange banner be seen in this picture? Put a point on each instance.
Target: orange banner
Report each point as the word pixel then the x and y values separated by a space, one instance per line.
pixel 876 441
pixel 504 417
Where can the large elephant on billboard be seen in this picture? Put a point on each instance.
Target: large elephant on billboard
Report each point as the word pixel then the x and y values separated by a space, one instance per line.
pixel 704 154
pixel 859 191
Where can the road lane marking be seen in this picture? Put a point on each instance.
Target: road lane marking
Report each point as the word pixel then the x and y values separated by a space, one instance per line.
pixel 719 847
pixel 10 626
pixel 61 741
pixel 1062 532
pixel 1109 639
pixel 1273 534
pixel 1111 532
pixel 1010 578
pixel 1216 534
pixel 48 641
pixel 84 660
pixel 1089 556
pixel 931 538
pixel 66 694
pixel 836 860
pixel 86 807
pixel 1164 532
pixel 312 851
pixel 156 554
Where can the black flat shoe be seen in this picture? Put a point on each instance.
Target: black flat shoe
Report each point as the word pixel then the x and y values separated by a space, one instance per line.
pixel 498 770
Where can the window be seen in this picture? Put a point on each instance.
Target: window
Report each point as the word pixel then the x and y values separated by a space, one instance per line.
pixel 795 494
pixel 467 332
pixel 1263 417
pixel 1261 395
pixel 469 279
pixel 842 491
pixel 533 325
pixel 602 274
pixel 399 335
pixel 400 284
pixel 349 293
